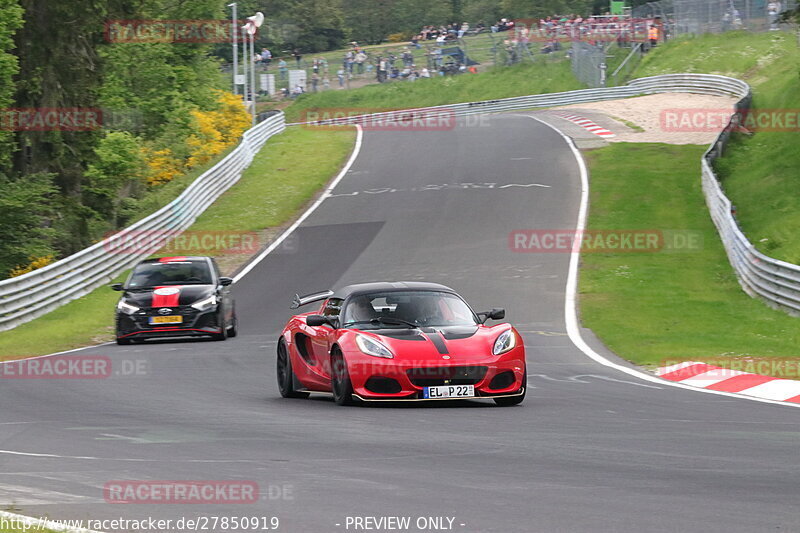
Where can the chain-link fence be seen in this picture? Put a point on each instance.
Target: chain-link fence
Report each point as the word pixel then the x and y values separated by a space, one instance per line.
pixel 609 59
pixel 589 63
pixel 695 17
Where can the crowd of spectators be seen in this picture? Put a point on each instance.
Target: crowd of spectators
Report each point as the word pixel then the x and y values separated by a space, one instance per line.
pixel 517 37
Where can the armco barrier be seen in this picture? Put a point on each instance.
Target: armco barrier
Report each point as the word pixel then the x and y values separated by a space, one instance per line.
pixel 777 282
pixel 33 294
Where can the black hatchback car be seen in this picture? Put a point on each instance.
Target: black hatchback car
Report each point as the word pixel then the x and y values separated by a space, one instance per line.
pixel 175 297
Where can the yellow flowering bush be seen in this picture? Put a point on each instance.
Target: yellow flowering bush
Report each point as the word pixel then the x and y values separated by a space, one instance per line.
pixel 162 166
pixel 210 133
pixel 216 130
pixel 36 263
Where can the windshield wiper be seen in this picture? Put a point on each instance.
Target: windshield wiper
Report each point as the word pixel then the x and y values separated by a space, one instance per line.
pixel 384 320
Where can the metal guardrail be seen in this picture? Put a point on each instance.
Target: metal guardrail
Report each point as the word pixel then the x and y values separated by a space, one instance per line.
pixel 689 83
pixel 38 292
pixel 777 282
pixel 31 295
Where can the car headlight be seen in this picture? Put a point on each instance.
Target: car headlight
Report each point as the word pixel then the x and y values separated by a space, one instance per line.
pixel 372 347
pixel 125 307
pixel 206 303
pixel 505 342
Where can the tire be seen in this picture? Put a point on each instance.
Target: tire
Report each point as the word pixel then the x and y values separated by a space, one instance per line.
pixel 515 400
pixel 224 334
pixel 234 329
pixel 341 386
pixel 124 342
pixel 286 377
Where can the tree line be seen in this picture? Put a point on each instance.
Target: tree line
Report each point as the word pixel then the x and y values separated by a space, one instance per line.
pixel 163 106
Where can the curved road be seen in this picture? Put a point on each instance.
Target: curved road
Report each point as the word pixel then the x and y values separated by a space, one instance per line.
pixel 591 448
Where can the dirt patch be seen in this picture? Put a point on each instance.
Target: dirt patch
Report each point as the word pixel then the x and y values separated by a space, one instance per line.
pixel 648 113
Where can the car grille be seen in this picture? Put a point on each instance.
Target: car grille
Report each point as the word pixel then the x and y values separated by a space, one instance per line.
pixel 446 375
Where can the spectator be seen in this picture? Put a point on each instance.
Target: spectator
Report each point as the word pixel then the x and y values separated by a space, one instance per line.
pixel 340 75
pixel 315 82
pixel 266 57
pixel 360 58
pixel 298 57
pixel 425 73
pixel 283 70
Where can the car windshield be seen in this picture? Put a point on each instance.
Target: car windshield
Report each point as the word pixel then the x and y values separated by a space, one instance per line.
pixel 404 308
pixel 147 275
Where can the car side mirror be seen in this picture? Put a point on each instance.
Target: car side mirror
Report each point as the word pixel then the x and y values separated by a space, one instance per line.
pixel 318 320
pixel 117 286
pixel 498 313
pixel 225 281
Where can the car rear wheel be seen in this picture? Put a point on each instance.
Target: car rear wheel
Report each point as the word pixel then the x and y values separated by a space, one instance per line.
pixel 515 400
pixel 341 386
pixel 286 378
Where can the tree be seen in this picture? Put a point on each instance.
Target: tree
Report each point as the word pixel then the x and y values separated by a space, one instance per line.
pixel 10 22
pixel 26 207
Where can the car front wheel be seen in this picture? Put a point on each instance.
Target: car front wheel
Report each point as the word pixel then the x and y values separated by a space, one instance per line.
pixel 341 386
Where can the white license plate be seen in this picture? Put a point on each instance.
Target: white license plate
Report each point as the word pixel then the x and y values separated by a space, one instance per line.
pixel 449 391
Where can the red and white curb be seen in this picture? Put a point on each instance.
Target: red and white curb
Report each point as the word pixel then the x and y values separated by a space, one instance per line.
pixel 716 378
pixel 587 124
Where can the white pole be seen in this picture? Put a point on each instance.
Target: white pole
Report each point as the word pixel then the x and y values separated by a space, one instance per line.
pixel 234 47
pixel 253 73
pixel 244 67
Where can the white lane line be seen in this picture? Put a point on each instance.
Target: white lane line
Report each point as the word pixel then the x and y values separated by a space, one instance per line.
pixel 122 459
pixel 277 242
pixel 570 307
pixel 10 361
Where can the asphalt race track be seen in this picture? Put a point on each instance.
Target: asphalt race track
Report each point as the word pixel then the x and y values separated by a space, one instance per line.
pixel 591 448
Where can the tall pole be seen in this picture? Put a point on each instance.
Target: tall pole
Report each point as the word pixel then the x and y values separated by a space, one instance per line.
pixel 244 68
pixel 252 63
pixel 235 49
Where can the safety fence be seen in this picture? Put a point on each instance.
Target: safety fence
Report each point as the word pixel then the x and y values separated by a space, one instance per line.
pixel 26 297
pixel 694 17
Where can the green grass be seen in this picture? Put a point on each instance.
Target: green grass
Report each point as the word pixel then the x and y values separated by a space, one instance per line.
pixel 284 175
pixel 739 54
pixel 669 306
pixel 759 172
pixel 501 82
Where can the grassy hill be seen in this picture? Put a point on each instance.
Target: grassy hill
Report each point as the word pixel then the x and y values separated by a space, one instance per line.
pixel 759 171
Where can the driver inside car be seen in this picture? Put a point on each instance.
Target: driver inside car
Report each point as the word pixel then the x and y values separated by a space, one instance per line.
pixel 361 310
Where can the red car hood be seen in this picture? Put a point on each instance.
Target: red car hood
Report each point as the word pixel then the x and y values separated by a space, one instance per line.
pixel 460 344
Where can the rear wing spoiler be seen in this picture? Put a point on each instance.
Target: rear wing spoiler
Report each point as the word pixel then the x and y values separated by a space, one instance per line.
pixel 298 300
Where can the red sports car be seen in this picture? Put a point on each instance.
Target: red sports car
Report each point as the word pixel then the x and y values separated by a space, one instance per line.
pixel 399 341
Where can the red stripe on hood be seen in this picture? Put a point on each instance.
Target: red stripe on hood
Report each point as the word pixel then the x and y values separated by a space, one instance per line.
pixel 166 300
